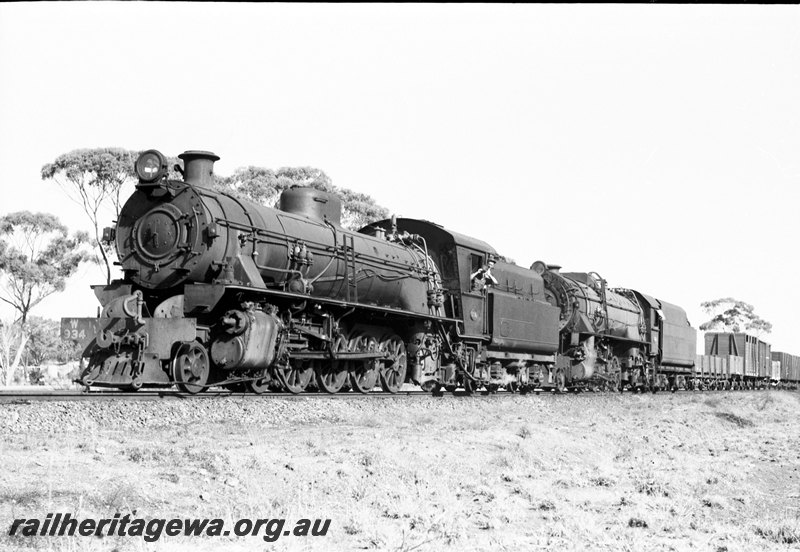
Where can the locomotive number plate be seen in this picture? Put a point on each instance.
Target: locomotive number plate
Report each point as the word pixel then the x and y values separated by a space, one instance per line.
pixel 82 330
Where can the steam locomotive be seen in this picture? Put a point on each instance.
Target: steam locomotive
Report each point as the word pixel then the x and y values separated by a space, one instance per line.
pixel 218 291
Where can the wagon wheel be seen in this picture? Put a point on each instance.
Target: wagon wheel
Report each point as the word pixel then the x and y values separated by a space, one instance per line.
pixel 295 377
pixel 332 377
pixel 616 375
pixel 393 372
pixel 365 373
pixel 260 385
pixel 469 386
pixel 190 367
pixel 560 382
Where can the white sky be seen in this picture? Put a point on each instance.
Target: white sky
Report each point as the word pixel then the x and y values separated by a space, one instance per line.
pixel 655 144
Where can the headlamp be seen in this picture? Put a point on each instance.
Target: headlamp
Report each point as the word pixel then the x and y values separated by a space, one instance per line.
pixel 151 166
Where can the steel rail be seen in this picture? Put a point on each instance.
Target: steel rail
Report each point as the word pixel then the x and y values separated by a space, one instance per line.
pixel 27 397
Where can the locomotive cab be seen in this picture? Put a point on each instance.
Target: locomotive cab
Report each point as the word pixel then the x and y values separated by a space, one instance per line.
pixel 507 329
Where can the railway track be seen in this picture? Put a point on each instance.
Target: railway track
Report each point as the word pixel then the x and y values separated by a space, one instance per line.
pixel 18 397
pixel 25 396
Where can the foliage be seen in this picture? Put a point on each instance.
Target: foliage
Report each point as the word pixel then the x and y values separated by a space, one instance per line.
pixel 264 186
pixel 732 315
pixel 37 255
pixel 175 168
pixel 94 179
pixel 11 336
pixel 255 184
pixel 45 344
pixel 359 209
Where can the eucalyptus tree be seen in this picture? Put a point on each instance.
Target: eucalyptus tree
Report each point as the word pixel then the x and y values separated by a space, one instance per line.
pixel 37 256
pixel 732 315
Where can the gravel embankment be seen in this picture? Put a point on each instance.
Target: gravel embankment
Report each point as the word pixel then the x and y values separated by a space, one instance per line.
pixel 53 417
pixel 699 471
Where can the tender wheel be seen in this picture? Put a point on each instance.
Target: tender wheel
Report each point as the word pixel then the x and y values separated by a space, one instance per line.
pixel 393 372
pixel 331 378
pixel 469 386
pixel 295 377
pixel 190 367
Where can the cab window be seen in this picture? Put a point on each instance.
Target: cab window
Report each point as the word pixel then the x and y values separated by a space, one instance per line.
pixel 477 263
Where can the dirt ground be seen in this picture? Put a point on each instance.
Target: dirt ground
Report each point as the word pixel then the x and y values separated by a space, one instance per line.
pixel 689 471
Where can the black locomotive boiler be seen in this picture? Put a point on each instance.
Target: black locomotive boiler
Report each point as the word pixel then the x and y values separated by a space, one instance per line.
pixel 221 291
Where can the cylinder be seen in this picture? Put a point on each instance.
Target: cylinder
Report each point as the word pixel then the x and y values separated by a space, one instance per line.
pixel 253 348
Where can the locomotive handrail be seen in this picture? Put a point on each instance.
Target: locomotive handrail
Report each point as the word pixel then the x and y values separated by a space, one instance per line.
pixel 338 302
pixel 334 251
pixel 276 269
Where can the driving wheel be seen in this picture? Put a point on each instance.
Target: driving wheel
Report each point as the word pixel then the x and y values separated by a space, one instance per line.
pixel 365 374
pixel 295 376
pixel 393 372
pixel 333 375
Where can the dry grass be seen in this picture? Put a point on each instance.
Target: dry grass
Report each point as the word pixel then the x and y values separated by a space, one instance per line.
pixel 597 472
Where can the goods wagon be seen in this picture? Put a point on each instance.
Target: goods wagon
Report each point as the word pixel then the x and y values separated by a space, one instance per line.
pixel 789 366
pixel 756 353
pixel 718 372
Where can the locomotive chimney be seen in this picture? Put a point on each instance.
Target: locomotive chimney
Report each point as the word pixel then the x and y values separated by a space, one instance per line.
pixel 198 167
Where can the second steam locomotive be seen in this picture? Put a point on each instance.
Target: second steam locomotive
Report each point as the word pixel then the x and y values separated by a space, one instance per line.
pixel 221 291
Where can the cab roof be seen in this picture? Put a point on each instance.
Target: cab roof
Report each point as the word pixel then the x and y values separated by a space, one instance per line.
pixel 432 232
